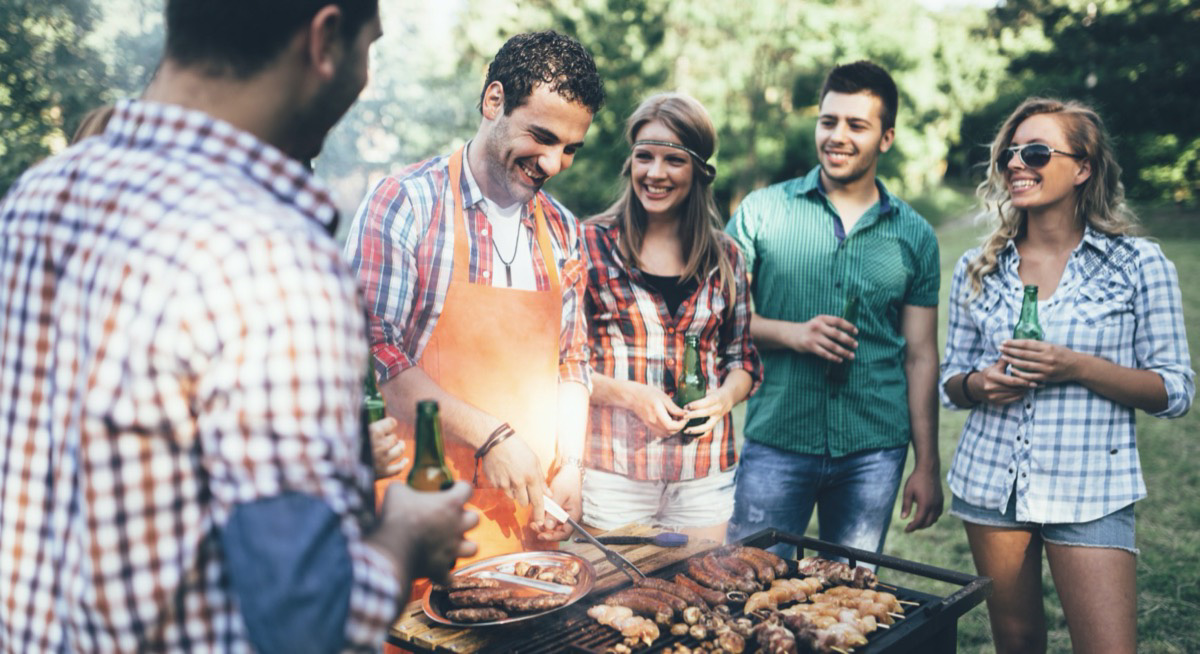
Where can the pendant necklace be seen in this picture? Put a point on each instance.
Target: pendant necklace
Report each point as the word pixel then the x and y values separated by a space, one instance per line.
pixel 507 264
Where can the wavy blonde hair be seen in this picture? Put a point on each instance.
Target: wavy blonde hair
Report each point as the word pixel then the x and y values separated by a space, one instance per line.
pixel 1099 200
pixel 699 223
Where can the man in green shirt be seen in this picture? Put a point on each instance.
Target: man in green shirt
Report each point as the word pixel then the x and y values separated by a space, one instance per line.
pixel 811 243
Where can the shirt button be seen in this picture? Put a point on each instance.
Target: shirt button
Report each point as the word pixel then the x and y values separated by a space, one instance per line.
pixel 1011 471
pixel 1026 441
pixel 1028 405
pixel 487 273
pixel 670 330
pixel 483 232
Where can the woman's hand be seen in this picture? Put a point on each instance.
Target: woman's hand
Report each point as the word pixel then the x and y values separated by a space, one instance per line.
pixel 655 408
pixel 386 448
pixel 716 404
pixel 993 386
pixel 1040 362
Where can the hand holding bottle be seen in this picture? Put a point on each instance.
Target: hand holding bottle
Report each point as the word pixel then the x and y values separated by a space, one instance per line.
pixel 1039 362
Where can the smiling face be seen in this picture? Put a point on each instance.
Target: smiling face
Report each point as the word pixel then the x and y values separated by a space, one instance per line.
pixel 533 143
pixel 1052 185
pixel 850 136
pixel 661 175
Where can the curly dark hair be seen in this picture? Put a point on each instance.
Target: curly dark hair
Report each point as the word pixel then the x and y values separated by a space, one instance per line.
pixel 526 60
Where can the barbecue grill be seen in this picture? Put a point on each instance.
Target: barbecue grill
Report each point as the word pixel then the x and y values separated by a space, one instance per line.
pixel 929 626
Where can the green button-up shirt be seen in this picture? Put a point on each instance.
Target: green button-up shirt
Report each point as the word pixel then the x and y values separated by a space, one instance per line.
pixel 789 234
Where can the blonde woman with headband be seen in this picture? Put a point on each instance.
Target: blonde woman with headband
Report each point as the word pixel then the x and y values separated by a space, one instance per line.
pixel 1048 458
pixel 659 270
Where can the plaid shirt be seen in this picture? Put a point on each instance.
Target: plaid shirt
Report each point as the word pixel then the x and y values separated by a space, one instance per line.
pixel 179 336
pixel 402 249
pixel 1071 454
pixel 634 338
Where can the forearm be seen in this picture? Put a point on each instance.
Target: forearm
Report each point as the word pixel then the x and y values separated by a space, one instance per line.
pixel 769 334
pixel 736 386
pixel 460 420
pixel 572 421
pixel 1140 389
pixel 608 391
pixel 954 389
pixel 923 411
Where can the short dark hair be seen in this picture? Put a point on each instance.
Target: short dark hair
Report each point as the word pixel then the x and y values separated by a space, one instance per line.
pixel 865 76
pixel 526 60
pixel 243 36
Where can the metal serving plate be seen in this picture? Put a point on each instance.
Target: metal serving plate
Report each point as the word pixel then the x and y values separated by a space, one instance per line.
pixel 436 603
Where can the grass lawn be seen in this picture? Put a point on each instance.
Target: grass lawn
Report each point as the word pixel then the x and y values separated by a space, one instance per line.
pixel 1168 519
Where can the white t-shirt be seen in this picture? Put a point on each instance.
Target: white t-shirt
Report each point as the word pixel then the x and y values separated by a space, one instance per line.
pixel 510 241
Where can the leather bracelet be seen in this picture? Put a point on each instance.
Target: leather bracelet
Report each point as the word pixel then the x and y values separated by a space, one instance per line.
pixel 495 438
pixel 967 391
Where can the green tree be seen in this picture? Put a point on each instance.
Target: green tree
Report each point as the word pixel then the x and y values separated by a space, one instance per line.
pixel 50 79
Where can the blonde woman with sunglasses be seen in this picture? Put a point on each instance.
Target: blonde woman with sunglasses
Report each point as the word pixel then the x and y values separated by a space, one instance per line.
pixel 1048 458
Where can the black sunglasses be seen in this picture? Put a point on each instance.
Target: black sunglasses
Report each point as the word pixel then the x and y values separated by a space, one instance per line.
pixel 1034 155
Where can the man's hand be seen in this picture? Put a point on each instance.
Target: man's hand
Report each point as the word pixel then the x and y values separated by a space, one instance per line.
pixel 653 407
pixel 512 467
pixel 386 448
pixel 566 488
pixel 422 532
pixel 924 489
pixel 828 337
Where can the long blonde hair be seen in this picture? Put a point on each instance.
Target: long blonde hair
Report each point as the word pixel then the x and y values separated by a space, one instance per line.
pixel 1099 200
pixel 700 223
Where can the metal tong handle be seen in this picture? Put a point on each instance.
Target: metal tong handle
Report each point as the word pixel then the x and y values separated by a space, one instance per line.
pixel 619 562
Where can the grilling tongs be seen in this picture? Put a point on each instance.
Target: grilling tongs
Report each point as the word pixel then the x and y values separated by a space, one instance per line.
pixel 619 562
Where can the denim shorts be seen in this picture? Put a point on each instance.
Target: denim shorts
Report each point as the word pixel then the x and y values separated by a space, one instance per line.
pixel 1115 530
pixel 611 500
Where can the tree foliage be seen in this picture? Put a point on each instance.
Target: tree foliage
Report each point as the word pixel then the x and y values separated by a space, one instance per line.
pixel 49 79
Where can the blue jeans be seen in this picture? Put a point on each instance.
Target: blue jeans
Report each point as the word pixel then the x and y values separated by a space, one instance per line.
pixel 854 494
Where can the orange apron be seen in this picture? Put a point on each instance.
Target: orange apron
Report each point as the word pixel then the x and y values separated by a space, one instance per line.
pixel 497 349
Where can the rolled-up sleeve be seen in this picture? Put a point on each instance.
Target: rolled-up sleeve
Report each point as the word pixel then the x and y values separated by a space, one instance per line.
pixel 739 352
pixel 964 338
pixel 1160 340
pixel 381 250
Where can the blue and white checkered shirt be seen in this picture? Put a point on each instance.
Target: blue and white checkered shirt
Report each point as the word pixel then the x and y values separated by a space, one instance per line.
pixel 1070 453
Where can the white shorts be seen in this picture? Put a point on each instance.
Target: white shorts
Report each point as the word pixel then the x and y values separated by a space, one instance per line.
pixel 611 500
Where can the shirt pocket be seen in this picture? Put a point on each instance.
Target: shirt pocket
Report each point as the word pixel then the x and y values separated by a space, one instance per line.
pixel 1103 304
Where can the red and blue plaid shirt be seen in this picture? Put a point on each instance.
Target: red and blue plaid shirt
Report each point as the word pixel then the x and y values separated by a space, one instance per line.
pixel 632 337
pixel 402 248
pixel 178 337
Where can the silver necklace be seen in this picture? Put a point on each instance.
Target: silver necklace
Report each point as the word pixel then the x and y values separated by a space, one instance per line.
pixel 507 264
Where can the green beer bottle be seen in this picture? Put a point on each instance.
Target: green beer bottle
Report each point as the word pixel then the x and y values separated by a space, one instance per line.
pixel 839 373
pixel 372 406
pixel 429 471
pixel 1027 324
pixel 692 384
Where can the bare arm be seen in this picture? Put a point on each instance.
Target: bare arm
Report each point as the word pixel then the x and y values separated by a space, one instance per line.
pixel 566 482
pixel 510 466
pixel 1045 363
pixel 924 488
pixel 651 405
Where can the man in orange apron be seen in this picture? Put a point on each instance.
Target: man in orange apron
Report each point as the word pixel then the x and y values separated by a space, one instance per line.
pixel 475 285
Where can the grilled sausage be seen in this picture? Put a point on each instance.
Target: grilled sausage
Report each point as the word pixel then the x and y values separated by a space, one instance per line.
pixel 780 566
pixel 736 567
pixel 686 594
pixel 535 603
pixel 731 581
pixel 676 603
pixel 711 597
pixel 696 569
pixel 476 597
pixel 763 570
pixel 466 582
pixel 642 604
pixel 477 614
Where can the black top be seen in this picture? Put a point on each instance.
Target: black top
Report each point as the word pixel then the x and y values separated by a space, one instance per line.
pixel 672 290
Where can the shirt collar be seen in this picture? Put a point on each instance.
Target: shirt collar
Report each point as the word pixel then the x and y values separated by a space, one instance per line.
pixel 811 183
pixel 472 195
pixel 151 125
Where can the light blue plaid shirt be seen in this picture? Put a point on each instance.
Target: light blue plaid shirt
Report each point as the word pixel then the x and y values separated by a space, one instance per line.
pixel 1070 453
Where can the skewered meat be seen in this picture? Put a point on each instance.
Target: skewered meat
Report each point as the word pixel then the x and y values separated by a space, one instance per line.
pixel 836 572
pixel 622 619
pixel 476 614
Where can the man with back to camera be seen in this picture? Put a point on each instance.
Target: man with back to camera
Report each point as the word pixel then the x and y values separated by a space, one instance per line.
pixel 475 283
pixel 811 243
pixel 180 466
